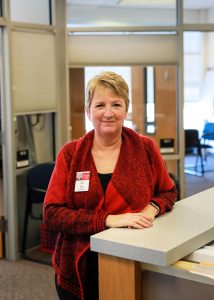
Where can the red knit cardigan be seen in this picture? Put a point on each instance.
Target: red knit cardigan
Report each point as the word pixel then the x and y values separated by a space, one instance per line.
pixel 139 177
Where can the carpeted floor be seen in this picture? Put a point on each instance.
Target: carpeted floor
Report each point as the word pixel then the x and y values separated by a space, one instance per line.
pixel 26 280
pixel 196 184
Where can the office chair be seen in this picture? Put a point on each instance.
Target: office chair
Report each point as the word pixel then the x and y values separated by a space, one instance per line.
pixel 38 178
pixel 193 145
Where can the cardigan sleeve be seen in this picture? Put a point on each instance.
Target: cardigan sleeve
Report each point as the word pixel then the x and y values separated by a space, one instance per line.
pixel 58 217
pixel 165 192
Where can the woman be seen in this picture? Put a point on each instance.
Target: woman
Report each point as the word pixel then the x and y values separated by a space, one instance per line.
pixel 111 177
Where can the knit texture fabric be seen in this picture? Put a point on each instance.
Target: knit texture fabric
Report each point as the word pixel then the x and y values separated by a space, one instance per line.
pixel 140 176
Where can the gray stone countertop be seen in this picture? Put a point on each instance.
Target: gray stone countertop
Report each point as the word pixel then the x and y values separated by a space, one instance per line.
pixel 189 226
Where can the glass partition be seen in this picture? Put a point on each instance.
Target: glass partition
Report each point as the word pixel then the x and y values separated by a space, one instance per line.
pixel 198 12
pixel 121 13
pixel 34 72
pixel 34 11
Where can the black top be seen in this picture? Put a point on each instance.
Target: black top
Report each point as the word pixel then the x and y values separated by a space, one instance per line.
pixel 92 282
pixel 104 179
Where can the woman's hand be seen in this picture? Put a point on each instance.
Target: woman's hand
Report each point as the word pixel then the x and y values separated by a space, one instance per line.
pixel 130 220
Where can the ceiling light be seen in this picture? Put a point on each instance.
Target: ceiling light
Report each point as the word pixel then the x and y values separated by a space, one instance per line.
pixel 146 2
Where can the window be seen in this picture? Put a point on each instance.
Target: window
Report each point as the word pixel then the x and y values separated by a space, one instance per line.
pixel 120 13
pixel 198 12
pixel 193 43
pixel 34 11
pixel 150 99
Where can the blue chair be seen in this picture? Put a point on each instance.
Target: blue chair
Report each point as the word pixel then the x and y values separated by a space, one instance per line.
pixel 208 132
pixel 208 135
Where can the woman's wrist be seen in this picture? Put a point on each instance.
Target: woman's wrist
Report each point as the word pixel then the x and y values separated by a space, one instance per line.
pixel 155 206
pixel 109 220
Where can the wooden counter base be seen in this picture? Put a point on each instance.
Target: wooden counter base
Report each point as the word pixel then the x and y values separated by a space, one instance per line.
pixel 119 278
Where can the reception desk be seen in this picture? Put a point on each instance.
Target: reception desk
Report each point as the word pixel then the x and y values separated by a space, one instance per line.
pixel 138 264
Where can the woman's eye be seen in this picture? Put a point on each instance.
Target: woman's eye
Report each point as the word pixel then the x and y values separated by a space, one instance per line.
pixel 99 105
pixel 117 105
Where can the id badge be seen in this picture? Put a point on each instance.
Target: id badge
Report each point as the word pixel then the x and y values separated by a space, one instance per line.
pixel 82 181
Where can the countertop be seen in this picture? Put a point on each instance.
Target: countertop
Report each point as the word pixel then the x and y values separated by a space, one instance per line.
pixel 189 226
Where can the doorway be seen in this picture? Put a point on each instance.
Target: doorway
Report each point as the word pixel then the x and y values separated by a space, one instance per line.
pixel 199 108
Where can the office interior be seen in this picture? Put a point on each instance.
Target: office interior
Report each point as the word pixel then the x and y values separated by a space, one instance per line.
pixel 48 51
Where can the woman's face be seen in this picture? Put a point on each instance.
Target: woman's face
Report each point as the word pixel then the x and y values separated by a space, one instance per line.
pixel 107 111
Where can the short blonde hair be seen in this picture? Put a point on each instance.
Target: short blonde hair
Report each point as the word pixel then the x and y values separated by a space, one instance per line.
pixel 109 80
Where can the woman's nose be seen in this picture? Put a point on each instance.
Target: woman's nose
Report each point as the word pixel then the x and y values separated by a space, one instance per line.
pixel 108 112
